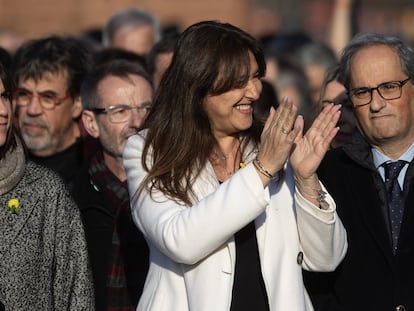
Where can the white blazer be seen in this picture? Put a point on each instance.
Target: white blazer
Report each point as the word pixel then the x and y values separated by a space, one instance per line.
pixel 192 249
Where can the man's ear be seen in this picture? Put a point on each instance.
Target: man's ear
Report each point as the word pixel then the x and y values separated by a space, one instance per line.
pixel 77 107
pixel 90 124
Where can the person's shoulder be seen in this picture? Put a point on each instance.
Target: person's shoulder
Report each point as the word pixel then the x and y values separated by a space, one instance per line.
pixel 139 137
pixel 82 174
pixel 43 177
pixel 135 142
pixel 334 153
pixel 333 159
pixel 45 188
pixel 39 171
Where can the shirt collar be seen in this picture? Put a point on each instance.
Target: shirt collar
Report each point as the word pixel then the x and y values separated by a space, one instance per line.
pixel 379 158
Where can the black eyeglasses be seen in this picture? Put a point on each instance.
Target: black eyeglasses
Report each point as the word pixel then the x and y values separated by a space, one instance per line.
pixel 122 113
pixel 391 90
pixel 48 100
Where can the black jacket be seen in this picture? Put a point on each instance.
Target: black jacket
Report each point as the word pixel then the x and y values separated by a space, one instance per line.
pixel 370 276
pixel 99 217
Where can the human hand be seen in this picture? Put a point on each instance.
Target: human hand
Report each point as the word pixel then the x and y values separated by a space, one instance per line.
pixel 309 150
pixel 280 131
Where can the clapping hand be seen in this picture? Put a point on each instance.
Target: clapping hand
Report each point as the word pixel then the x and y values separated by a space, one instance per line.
pixel 309 150
pixel 282 137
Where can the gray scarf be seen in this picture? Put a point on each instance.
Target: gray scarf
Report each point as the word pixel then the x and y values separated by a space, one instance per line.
pixel 12 168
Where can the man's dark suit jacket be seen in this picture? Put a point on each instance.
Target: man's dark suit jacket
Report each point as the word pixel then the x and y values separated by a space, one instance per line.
pixel 370 277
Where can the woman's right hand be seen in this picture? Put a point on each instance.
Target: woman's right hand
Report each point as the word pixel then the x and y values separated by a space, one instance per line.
pixel 280 131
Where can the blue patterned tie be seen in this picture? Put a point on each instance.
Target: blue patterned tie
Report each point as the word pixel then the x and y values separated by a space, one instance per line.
pixel 395 198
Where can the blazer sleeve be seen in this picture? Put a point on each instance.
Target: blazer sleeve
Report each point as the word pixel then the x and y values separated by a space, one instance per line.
pixel 322 235
pixel 189 234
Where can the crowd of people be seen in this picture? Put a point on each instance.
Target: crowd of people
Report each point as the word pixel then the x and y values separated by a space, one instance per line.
pixel 207 169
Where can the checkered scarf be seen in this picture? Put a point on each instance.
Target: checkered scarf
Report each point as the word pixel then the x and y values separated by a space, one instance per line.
pixel 115 193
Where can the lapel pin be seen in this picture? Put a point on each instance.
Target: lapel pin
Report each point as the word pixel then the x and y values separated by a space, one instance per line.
pixel 13 206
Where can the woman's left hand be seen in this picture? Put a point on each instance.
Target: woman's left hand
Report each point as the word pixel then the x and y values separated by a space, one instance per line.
pixel 309 150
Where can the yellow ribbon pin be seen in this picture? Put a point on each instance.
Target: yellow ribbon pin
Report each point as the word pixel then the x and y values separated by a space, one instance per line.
pixel 13 206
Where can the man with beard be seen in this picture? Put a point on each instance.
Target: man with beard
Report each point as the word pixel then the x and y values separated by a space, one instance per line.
pixel 116 97
pixel 48 73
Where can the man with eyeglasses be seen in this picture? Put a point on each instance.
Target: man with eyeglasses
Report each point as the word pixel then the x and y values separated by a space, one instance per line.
pixel 117 97
pixel 371 179
pixel 48 73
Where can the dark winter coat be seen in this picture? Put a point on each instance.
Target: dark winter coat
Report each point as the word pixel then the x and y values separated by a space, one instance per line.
pixel 370 277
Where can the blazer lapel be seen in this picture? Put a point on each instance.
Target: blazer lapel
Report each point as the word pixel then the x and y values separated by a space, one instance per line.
pixel 13 223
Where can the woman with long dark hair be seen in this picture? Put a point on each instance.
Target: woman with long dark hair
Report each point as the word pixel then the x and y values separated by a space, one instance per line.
pixel 230 222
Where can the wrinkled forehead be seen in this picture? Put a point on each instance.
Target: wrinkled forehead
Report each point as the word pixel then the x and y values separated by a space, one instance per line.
pixel 373 65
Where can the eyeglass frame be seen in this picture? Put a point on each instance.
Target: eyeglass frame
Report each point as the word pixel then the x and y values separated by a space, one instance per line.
pixel 56 100
pixel 401 83
pixel 110 109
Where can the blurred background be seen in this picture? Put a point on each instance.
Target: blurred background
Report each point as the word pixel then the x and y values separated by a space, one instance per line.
pixel 24 19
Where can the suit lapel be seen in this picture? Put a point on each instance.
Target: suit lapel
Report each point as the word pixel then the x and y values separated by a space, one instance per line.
pixel 407 228
pixel 372 207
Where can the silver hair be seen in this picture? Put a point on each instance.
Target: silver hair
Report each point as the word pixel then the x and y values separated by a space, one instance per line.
pixel 361 40
pixel 129 17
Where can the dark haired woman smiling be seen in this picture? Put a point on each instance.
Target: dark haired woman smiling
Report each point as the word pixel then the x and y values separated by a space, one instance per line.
pixel 226 226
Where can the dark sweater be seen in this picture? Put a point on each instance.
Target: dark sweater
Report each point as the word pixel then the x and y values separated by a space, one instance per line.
pixel 66 163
